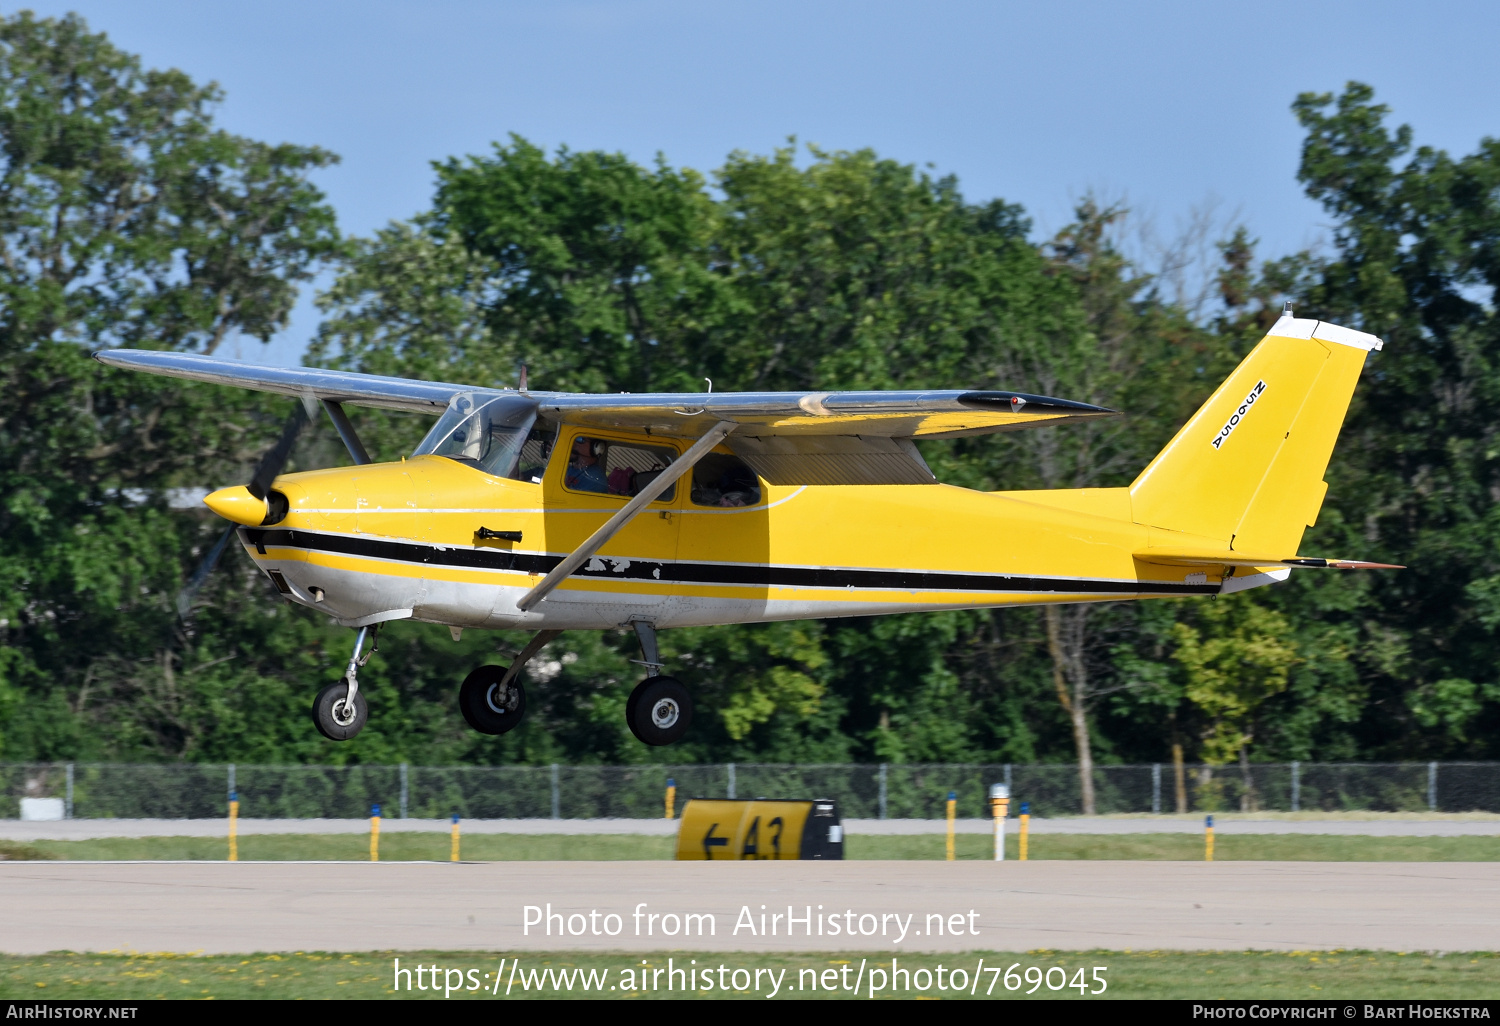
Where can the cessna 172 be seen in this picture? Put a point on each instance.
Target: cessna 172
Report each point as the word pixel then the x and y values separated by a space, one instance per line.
pixel 547 511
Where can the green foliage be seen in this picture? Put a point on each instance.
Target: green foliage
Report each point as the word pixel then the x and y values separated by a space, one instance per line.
pixel 1234 656
pixel 601 267
pixel 125 217
pixel 1416 475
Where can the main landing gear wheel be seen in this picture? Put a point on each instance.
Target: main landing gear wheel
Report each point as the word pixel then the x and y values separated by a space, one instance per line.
pixel 489 708
pixel 659 711
pixel 335 716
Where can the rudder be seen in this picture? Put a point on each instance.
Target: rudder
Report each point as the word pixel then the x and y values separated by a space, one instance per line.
pixel 1247 469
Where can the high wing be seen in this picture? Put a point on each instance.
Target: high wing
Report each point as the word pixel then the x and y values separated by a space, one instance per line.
pixel 303 382
pixel 787 437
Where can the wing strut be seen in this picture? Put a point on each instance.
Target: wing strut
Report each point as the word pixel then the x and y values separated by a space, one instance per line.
pixel 612 526
pixel 346 431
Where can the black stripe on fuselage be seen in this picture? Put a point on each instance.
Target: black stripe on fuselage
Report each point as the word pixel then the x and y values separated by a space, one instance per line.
pixel 743 574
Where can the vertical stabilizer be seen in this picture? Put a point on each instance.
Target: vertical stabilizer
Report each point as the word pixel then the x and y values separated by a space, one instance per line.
pixel 1247 468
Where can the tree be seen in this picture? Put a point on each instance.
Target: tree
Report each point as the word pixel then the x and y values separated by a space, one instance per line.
pixel 1416 238
pixel 125 218
pixel 413 302
pixel 601 277
pixel 1233 657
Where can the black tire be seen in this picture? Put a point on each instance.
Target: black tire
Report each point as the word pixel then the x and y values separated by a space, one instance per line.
pixel 630 706
pixel 484 708
pixel 328 710
pixel 659 711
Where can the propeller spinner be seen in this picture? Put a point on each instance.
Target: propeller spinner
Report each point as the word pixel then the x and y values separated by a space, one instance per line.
pixel 245 504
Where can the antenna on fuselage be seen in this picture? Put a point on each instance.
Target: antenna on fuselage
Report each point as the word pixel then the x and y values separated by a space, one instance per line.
pixel 521 385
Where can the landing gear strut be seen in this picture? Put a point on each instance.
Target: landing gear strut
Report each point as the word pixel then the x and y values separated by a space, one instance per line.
pixel 492 698
pixel 340 711
pixel 659 710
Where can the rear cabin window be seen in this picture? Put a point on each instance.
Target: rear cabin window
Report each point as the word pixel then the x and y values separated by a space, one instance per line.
pixel 612 467
pixel 724 481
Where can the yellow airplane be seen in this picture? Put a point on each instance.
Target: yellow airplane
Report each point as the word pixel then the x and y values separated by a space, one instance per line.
pixel 548 511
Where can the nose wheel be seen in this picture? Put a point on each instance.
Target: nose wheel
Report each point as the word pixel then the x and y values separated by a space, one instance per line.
pixel 338 715
pixel 340 711
pixel 490 703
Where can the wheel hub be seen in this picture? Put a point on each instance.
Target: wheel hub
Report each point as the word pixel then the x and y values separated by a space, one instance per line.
pixel 665 713
pixel 343 712
pixel 501 702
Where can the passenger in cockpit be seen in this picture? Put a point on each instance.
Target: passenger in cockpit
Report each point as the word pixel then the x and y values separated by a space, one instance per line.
pixel 584 473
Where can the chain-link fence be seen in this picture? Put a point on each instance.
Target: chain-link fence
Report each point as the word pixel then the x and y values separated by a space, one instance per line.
pixel 864 791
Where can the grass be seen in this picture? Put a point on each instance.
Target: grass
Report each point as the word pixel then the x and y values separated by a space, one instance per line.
pixel 1189 847
pixel 1337 975
pixel 398 847
pixel 17 850
pixel 394 847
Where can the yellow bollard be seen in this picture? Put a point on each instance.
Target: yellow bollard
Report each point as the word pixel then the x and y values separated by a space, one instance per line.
pixel 1025 827
pixel 454 856
pixel 952 802
pixel 374 833
pixel 234 816
pixel 1208 835
pixel 671 798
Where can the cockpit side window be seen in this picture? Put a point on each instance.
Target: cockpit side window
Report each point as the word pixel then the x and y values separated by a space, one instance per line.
pixel 487 431
pixel 724 481
pixel 613 467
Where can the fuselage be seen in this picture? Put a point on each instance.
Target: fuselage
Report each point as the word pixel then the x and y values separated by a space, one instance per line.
pixel 395 540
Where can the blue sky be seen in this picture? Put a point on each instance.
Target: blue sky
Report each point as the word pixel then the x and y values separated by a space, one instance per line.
pixel 1168 106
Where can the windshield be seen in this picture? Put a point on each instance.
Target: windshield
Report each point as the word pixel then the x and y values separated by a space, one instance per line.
pixel 483 430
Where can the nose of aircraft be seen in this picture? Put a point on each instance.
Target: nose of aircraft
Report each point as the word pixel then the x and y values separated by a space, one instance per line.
pixel 238 505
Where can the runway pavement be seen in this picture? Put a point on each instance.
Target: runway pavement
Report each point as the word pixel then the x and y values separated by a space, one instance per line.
pixel 248 906
pixel 1463 825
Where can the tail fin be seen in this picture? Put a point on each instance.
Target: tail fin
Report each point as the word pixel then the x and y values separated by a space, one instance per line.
pixel 1247 468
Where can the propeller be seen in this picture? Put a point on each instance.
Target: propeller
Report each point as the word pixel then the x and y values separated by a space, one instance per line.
pixel 205 567
pixel 266 472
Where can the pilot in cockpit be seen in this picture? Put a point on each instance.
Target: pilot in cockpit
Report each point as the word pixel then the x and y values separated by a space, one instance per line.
pixel 584 472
